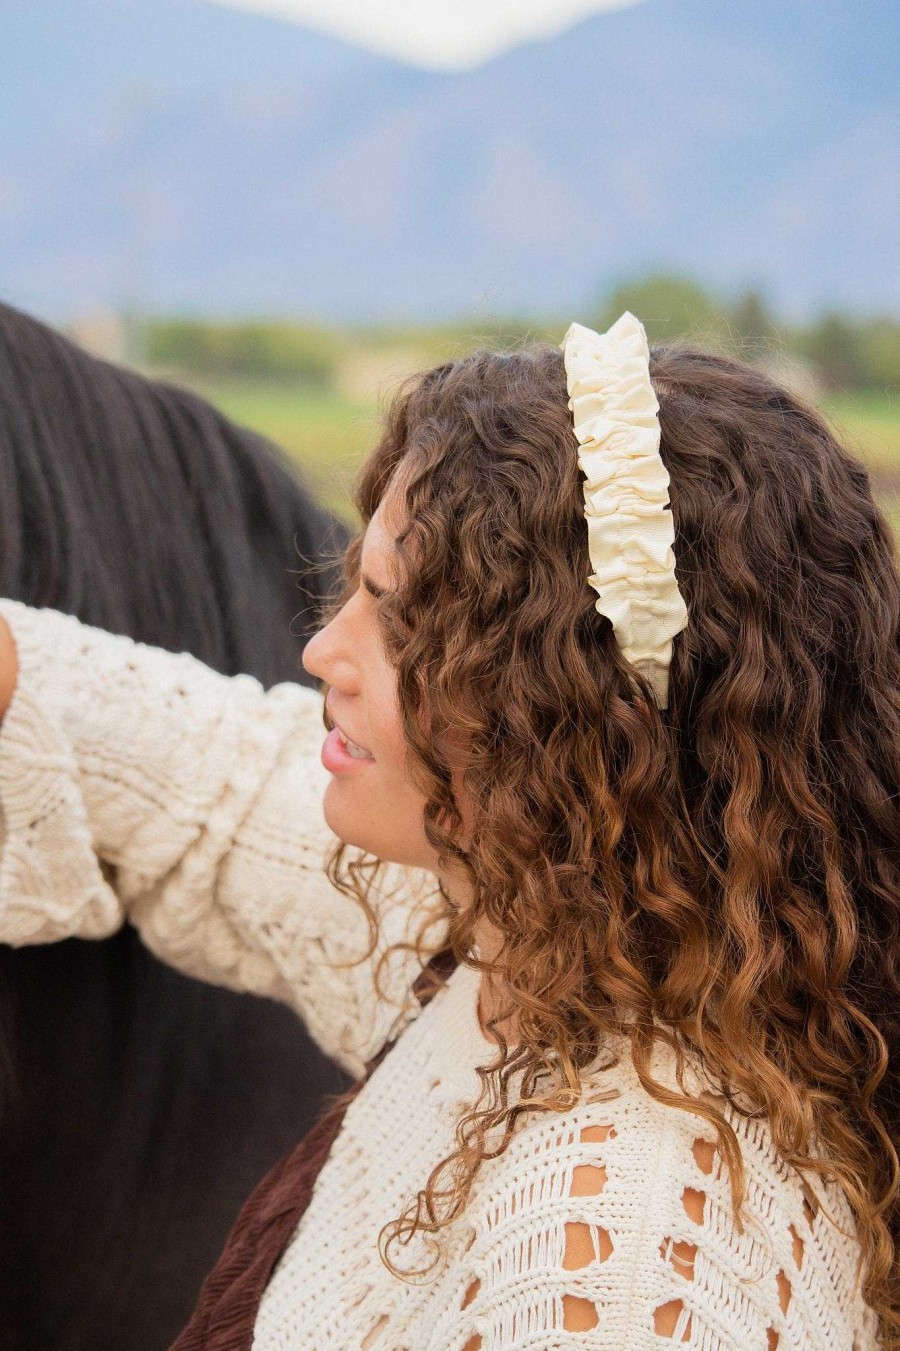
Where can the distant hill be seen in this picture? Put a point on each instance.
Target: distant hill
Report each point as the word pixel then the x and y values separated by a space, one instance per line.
pixel 177 155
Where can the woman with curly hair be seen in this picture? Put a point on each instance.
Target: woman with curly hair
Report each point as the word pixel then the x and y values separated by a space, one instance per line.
pixel 615 959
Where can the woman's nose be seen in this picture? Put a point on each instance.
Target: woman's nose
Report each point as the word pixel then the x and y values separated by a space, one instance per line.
pixel 325 657
pixel 311 656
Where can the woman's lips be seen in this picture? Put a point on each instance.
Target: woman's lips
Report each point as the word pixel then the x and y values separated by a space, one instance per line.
pixel 337 759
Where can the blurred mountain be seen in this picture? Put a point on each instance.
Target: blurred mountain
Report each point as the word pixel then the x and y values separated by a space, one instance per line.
pixel 178 155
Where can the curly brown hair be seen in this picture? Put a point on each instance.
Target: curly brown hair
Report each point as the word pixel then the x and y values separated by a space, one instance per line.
pixel 725 870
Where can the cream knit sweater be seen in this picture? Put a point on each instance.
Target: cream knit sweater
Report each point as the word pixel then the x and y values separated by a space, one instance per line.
pixel 139 785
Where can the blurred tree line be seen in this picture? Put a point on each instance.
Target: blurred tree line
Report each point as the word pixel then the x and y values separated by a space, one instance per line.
pixel 841 353
pixel 258 349
pixel 836 352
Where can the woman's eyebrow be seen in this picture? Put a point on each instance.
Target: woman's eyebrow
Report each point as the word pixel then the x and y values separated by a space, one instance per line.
pixel 373 587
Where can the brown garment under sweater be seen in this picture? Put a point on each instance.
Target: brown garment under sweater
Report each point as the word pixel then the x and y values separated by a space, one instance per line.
pixel 225 1314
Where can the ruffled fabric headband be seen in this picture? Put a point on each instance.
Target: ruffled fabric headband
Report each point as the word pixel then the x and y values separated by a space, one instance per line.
pixel 626 493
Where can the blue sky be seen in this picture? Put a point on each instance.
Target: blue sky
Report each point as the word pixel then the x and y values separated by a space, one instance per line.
pixel 432 33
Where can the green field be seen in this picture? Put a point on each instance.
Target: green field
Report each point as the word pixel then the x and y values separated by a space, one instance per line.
pixel 327 435
pixel 870 424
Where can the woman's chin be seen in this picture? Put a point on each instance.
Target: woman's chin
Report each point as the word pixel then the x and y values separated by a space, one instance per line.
pixel 351 815
pixel 337 817
pixel 350 820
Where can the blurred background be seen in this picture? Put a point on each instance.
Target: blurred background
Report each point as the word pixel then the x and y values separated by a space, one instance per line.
pixel 289 204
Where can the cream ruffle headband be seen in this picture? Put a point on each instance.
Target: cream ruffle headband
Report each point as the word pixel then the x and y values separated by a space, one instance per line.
pixel 626 493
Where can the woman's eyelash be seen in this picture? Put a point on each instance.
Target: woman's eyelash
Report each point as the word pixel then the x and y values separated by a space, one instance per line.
pixel 373 588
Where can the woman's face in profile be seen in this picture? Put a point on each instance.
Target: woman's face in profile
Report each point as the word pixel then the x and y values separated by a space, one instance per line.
pixel 369 802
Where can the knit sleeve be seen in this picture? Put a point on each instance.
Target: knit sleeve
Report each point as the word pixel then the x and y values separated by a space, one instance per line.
pixel 611 1226
pixel 137 783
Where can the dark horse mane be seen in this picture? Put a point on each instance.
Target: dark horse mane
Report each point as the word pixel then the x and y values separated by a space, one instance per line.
pixel 138 1108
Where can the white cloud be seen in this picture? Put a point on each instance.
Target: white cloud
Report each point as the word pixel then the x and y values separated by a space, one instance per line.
pixel 433 33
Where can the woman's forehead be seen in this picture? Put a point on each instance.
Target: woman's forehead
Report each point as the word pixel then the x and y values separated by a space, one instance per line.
pixel 378 548
pixel 385 525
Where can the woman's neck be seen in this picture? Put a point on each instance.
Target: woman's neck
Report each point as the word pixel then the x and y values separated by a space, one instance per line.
pixel 488 942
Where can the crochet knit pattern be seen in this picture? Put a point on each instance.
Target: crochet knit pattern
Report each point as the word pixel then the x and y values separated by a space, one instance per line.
pixel 136 784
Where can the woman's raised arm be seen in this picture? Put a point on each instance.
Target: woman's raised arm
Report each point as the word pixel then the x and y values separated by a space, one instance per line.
pixel 9 665
pixel 137 783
